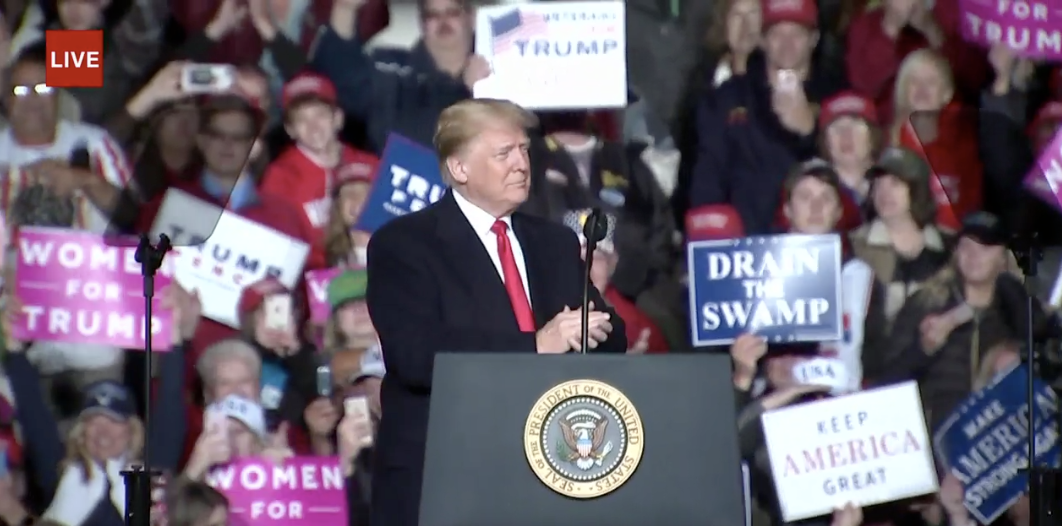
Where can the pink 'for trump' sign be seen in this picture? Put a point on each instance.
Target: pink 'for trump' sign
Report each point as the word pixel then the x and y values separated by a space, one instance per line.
pixel 304 491
pixel 1032 29
pixel 76 288
pixel 317 291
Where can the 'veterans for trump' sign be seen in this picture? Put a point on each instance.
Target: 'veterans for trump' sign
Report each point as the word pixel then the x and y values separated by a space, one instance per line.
pixel 408 180
pixel 785 288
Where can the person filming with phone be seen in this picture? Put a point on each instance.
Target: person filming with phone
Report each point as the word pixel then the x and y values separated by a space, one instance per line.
pixel 756 126
pixel 943 332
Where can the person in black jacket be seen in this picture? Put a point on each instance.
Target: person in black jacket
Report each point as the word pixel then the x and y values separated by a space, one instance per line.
pixel 755 127
pixel 469 274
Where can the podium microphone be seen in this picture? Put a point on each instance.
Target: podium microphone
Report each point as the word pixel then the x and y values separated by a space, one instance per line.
pixel 594 230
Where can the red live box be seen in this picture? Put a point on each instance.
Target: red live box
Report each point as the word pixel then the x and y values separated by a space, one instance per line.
pixel 75 59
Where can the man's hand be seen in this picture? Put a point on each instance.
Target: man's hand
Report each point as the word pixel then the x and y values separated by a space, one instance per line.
pixel 229 16
pixel 642 345
pixel 163 88
pixel 262 19
pixel 321 417
pixel 793 110
pixel 343 18
pixel 564 331
pixel 211 448
pixel 923 21
pixel 746 352
pixel 354 434
pixel 12 312
pixel 849 515
pixel 187 309
pixel 952 498
pixel 476 70
pixel 58 176
pixel 935 330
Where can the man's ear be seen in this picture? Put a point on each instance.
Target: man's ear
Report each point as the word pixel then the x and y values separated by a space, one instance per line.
pixel 458 170
pixel 788 211
pixel 340 119
pixel 290 131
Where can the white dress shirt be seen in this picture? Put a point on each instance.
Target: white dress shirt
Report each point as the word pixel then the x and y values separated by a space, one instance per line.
pixel 481 222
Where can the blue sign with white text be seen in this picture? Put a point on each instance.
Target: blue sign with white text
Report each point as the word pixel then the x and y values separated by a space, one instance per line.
pixel 408 179
pixel 785 288
pixel 984 441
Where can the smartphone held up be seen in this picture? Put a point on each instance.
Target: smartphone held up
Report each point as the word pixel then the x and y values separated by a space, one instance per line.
pixel 199 79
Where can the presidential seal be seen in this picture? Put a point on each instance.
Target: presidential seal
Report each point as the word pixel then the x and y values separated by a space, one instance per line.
pixel 583 439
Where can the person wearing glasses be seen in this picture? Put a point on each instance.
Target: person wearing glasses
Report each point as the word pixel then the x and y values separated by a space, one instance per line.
pixel 39 147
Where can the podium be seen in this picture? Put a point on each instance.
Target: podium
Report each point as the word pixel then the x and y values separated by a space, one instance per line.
pixel 577 440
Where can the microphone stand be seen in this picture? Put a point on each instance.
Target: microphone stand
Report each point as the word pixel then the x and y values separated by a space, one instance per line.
pixel 591 246
pixel 138 479
pixel 1044 481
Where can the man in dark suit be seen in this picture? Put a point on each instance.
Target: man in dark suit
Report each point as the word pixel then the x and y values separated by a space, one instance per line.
pixel 468 274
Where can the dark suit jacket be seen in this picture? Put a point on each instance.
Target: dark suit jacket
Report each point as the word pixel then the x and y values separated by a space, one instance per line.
pixel 433 288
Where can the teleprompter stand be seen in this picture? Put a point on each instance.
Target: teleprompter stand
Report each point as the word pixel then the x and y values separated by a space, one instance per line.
pixel 492 414
pixel 1045 482
pixel 138 479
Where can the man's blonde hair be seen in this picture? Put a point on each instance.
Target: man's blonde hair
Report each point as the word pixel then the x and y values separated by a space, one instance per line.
pixel 461 123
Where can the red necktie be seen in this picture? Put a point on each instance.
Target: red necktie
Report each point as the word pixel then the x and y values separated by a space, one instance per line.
pixel 511 275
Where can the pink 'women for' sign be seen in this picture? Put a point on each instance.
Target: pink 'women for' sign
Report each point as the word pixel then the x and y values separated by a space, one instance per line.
pixel 317 292
pixel 304 491
pixel 74 287
pixel 1045 178
pixel 1031 29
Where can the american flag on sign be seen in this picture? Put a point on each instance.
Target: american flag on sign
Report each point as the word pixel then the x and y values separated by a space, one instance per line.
pixel 513 26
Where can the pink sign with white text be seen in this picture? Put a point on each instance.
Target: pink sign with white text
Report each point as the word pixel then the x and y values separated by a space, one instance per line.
pixel 1045 178
pixel 76 288
pixel 304 491
pixel 1032 29
pixel 317 291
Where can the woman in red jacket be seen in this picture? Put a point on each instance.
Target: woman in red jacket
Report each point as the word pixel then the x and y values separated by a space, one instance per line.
pixel 930 121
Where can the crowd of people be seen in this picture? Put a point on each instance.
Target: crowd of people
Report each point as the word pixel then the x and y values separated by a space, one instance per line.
pixel 873 120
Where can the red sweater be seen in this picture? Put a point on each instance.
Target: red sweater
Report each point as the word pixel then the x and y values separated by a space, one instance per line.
pixel 302 183
pixel 873 59
pixel 636 322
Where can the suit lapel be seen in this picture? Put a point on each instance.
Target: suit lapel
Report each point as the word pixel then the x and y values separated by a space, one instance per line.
pixel 469 262
pixel 537 264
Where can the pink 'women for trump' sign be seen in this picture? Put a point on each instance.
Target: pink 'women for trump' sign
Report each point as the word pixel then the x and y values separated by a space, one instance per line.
pixel 1032 29
pixel 76 288
pixel 317 291
pixel 1045 178
pixel 304 491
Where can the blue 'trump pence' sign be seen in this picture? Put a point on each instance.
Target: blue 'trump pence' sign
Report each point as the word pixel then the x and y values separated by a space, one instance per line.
pixel 985 442
pixel 408 179
pixel 785 288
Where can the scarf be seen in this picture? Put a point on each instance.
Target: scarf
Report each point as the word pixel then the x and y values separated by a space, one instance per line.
pixel 75 499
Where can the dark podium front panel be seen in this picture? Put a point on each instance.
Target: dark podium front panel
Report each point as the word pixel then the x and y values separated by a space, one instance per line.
pixel 582 440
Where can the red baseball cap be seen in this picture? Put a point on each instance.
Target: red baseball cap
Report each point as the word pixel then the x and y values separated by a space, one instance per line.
pixel 847 104
pixel 358 171
pixel 803 12
pixel 308 85
pixel 254 294
pixel 710 222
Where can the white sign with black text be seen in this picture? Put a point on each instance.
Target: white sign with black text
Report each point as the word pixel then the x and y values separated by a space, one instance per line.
pixel 220 260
